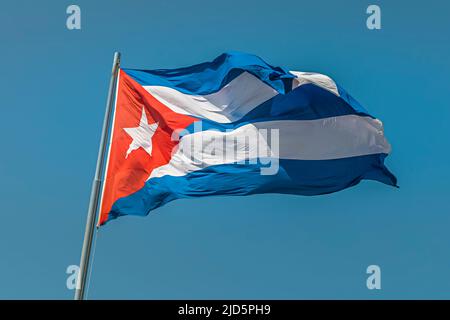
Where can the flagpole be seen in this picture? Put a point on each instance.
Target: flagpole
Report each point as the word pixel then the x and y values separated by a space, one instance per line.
pixel 95 191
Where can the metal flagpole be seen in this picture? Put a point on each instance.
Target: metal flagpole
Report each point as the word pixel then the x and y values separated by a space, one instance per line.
pixel 93 202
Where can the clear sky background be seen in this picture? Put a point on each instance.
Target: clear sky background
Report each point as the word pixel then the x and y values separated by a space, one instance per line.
pixel 53 88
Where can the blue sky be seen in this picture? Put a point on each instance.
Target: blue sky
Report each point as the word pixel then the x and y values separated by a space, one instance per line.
pixel 53 87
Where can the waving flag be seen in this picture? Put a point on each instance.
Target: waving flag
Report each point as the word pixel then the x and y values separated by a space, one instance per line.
pixel 234 126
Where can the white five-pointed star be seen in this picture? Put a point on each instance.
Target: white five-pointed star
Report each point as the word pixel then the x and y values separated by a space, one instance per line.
pixel 142 135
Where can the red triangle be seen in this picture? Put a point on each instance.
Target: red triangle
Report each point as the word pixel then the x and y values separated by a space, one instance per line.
pixel 125 176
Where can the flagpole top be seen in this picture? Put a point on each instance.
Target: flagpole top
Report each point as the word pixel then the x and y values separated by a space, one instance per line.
pixel 116 61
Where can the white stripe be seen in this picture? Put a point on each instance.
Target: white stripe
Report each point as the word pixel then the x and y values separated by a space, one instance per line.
pixel 318 79
pixel 229 104
pixel 322 139
pixel 234 100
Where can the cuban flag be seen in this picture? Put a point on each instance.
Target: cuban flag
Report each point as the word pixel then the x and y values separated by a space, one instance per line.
pixel 234 126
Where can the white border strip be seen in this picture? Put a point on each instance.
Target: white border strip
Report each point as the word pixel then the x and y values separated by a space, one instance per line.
pixel 113 122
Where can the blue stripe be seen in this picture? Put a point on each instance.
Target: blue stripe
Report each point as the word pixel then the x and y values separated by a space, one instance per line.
pixel 344 95
pixel 307 102
pixel 210 77
pixel 294 177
